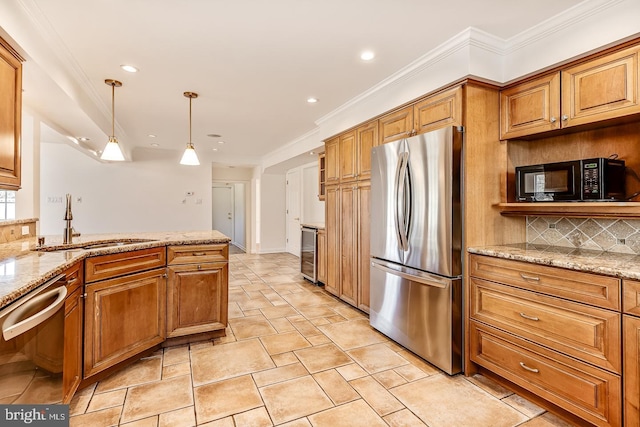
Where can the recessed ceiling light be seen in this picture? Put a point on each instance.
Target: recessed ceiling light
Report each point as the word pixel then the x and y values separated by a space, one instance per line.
pixel 129 68
pixel 220 142
pixel 213 135
pixel 83 138
pixel 312 100
pixel 151 135
pixel 367 55
pixel 155 144
pixel 215 149
pixel 311 153
pixel 74 140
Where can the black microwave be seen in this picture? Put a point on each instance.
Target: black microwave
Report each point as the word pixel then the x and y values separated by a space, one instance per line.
pixel 598 179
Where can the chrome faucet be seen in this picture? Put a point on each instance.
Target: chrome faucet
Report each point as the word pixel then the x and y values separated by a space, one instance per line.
pixel 69 232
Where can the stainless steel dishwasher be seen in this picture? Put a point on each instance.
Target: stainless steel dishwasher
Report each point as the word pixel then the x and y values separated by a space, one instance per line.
pixel 309 254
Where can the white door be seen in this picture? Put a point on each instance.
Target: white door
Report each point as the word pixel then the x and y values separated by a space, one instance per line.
pixel 293 212
pixel 222 210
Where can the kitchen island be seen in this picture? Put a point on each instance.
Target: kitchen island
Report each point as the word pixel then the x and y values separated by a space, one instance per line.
pixel 126 295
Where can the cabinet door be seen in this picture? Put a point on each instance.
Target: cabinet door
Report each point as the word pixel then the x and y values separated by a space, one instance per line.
pixel 73 332
pixel 364 252
pixel 322 256
pixel 332 223
pixel 604 88
pixel 396 125
pixel 437 111
pixel 197 299
pixel 530 107
pixel 631 373
pixel 72 365
pixel 366 139
pixel 349 244
pixel 123 317
pixel 348 157
pixel 10 116
pixel 332 160
pixel 321 176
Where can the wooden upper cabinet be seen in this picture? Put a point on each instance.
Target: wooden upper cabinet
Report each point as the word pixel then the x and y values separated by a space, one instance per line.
pixel 601 89
pixel 396 125
pixel 321 176
pixel 10 116
pixel 332 161
pixel 348 159
pixel 439 110
pixel 366 139
pixel 531 107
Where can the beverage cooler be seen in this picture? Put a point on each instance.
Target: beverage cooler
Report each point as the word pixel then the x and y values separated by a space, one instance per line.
pixel 309 254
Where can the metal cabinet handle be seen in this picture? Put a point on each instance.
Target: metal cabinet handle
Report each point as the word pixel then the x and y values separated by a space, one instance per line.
pixel 199 267
pixel 564 117
pixel 199 253
pixel 528 317
pixel 525 277
pixel 552 119
pixel 72 281
pixel 525 367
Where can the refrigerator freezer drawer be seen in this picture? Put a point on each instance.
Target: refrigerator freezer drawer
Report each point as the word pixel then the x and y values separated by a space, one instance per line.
pixel 420 312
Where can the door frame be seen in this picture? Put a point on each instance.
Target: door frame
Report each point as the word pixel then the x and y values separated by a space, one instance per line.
pixel 247 211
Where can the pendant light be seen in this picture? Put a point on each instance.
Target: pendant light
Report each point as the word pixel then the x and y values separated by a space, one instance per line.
pixel 112 150
pixel 190 157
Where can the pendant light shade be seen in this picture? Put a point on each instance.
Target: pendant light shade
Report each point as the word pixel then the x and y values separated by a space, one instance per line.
pixel 190 157
pixel 112 151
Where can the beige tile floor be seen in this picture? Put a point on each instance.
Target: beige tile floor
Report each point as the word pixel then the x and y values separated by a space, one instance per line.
pixel 295 356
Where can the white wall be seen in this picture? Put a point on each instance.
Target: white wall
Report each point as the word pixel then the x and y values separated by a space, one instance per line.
pixel 272 213
pixel 240 215
pixel 312 208
pixel 145 195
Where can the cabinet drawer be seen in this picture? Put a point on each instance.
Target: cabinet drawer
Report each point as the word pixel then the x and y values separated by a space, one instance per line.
pixel 581 389
pixel 585 332
pixel 631 297
pixel 74 277
pixel 601 291
pixel 114 265
pixel 195 254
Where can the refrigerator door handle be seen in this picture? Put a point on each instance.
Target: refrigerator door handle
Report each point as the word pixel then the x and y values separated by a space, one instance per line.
pixel 411 274
pixel 400 210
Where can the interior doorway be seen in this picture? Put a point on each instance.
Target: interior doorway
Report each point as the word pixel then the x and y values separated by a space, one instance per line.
pixel 228 211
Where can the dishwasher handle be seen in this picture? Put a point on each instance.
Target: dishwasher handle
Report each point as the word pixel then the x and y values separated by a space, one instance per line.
pixel 13 326
pixel 411 274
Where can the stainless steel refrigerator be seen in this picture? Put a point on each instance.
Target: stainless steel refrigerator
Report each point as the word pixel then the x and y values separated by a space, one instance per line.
pixel 416 240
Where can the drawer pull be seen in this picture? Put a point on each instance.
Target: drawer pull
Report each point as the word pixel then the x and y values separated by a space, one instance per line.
pixel 199 253
pixel 525 277
pixel 72 281
pixel 525 367
pixel 528 317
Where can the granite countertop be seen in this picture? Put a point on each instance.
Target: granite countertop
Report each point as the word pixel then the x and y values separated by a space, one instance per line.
pixel 625 266
pixel 316 225
pixel 23 269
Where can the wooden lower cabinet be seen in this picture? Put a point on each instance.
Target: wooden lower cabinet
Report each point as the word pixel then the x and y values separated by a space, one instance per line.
pixel 631 326
pixel 197 298
pixel 584 390
pixel 322 256
pixel 123 317
pixel 73 332
pixel 332 223
pixel 347 233
pixel 529 324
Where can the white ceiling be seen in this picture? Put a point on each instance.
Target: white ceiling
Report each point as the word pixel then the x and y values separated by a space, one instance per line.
pixel 252 62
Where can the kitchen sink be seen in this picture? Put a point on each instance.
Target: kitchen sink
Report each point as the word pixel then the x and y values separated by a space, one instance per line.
pixel 99 244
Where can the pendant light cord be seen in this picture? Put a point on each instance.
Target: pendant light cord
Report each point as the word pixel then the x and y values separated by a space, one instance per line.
pixel 113 109
pixel 190 99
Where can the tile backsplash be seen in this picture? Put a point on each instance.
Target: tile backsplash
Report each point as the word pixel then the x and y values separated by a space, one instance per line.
pixel 612 235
